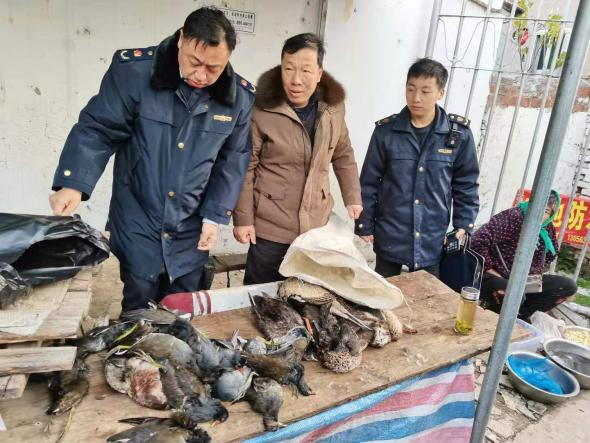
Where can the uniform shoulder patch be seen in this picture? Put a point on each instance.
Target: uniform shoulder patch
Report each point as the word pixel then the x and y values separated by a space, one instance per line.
pixel 459 119
pixel 385 120
pixel 245 84
pixel 131 55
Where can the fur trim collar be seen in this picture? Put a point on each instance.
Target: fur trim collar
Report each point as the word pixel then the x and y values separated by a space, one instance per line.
pixel 270 92
pixel 166 74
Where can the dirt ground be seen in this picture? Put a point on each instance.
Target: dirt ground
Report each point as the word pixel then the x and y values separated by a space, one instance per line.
pixel 513 419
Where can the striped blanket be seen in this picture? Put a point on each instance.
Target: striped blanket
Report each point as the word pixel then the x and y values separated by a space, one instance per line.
pixel 435 407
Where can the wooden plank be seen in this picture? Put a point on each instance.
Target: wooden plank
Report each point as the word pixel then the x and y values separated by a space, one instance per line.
pixel 34 360
pixel 13 386
pixel 65 318
pixel 230 262
pixel 573 317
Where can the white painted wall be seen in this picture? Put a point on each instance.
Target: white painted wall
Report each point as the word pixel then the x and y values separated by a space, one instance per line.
pixel 521 142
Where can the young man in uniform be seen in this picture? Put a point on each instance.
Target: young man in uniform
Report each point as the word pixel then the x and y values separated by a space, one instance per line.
pixel 421 167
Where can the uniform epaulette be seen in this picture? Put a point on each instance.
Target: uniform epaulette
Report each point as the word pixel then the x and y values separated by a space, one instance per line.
pixel 459 119
pixel 385 120
pixel 128 55
pixel 246 84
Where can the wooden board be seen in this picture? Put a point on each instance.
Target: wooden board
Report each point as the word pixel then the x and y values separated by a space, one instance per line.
pixel 570 317
pixel 34 360
pixel 431 310
pixel 68 301
pixel 230 262
pixel 13 386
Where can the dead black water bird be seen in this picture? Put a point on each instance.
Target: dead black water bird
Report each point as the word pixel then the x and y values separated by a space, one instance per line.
pixel 211 359
pixel 286 373
pixel 179 382
pixel 158 430
pixel 68 388
pixel 273 317
pixel 232 385
pixel 266 397
pixel 156 315
pixel 199 409
pixel 103 337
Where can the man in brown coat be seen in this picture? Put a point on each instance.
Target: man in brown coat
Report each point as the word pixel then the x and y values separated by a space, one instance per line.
pixel 298 129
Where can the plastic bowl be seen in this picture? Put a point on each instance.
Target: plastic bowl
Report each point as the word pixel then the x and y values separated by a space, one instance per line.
pixel 567 381
pixel 554 346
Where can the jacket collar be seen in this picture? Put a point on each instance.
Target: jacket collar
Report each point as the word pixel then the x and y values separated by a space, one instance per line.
pixel 270 93
pixel 403 123
pixel 166 73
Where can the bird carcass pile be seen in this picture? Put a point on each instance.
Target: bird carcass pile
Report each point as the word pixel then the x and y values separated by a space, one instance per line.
pixel 162 361
pixel 340 330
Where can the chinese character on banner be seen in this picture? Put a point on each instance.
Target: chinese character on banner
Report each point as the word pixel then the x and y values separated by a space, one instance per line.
pixel 577 222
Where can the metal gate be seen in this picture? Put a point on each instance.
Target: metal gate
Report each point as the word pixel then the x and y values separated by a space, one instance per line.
pixel 538 42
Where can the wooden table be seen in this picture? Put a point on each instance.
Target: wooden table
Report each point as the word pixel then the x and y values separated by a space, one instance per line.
pixel 431 308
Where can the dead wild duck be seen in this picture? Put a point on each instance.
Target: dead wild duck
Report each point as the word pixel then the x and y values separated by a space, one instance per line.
pixel 280 370
pixel 273 317
pixel 265 396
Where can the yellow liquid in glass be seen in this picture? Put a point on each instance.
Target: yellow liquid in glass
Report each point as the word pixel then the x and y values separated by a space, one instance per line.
pixel 465 316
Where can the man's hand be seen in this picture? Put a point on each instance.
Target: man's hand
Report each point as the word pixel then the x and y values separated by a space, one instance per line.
pixel 354 211
pixel 65 201
pixel 460 234
pixel 367 238
pixel 208 237
pixel 245 234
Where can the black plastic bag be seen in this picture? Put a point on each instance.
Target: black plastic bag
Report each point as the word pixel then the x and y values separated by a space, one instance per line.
pixel 463 267
pixel 44 249
pixel 12 286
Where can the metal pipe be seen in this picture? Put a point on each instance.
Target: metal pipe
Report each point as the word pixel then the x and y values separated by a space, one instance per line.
pixel 478 59
pixel 529 235
pixel 486 135
pixel 582 256
pixel 541 109
pixel 432 31
pixel 530 74
pixel 516 111
pixel 455 53
pixel 502 18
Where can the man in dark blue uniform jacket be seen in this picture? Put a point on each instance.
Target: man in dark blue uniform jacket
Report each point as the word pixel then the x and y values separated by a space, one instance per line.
pixel 177 118
pixel 420 167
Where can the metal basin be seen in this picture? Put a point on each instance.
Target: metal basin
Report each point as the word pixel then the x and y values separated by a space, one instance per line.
pixel 571 356
pixel 568 382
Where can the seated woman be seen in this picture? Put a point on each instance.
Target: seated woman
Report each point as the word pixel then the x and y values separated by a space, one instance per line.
pixel 496 241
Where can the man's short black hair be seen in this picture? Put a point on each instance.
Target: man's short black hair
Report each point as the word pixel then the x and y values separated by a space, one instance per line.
pixel 426 67
pixel 210 26
pixel 302 41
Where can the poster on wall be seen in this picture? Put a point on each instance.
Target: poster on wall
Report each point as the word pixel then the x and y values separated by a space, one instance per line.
pixel 242 21
pixel 577 222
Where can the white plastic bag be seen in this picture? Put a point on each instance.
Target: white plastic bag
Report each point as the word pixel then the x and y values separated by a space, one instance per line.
pixel 328 257
pixel 551 327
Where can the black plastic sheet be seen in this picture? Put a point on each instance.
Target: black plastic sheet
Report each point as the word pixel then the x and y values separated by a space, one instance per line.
pixel 43 249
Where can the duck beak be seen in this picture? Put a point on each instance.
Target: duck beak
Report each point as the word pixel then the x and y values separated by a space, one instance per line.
pixel 215 423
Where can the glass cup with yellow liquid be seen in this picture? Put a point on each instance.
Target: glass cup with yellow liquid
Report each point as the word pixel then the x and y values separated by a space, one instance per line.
pixel 466 310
